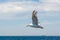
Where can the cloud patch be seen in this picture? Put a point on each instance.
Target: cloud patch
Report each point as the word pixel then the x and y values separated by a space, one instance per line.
pixel 11 9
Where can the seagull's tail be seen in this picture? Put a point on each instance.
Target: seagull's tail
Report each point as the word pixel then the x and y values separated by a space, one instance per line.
pixel 41 27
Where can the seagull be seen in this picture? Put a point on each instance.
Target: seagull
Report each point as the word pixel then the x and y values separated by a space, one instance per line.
pixel 35 20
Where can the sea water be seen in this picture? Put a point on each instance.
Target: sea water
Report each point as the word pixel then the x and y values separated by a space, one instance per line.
pixel 29 37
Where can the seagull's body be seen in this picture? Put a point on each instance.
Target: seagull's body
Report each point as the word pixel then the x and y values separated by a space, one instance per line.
pixel 35 20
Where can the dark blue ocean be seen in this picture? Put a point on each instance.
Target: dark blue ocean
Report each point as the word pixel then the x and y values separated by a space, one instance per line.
pixel 29 37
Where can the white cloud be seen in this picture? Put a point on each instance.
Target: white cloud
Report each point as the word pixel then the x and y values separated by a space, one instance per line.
pixel 10 9
pixel 51 1
pixel 16 6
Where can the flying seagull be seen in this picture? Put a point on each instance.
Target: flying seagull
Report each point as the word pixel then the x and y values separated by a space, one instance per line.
pixel 35 21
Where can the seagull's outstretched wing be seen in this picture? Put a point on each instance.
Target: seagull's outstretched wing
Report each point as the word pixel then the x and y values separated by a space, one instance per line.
pixel 34 18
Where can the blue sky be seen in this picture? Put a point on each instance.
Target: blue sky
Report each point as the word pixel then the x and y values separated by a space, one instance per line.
pixel 16 14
